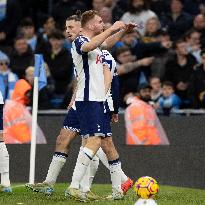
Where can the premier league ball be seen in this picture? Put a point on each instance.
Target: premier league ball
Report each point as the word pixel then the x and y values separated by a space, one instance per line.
pixel 146 187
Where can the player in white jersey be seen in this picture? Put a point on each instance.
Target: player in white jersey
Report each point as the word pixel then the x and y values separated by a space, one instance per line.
pixel 90 97
pixel 69 130
pixel 4 155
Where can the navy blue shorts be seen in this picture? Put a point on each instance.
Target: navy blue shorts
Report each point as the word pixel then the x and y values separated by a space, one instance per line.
pixel 90 115
pixel 71 121
pixel 1 117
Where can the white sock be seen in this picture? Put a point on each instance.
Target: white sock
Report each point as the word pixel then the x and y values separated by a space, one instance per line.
pixel 93 169
pixel 103 158
pixel 4 165
pixel 55 167
pixel 124 177
pixel 84 158
pixel 115 172
pixel 84 183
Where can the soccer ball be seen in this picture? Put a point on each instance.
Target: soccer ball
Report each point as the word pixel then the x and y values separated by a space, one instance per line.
pixel 146 187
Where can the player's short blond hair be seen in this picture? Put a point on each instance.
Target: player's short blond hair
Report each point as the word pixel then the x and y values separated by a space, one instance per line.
pixel 87 16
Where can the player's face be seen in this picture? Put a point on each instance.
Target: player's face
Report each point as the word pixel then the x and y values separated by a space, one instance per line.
pixel 98 25
pixel 73 29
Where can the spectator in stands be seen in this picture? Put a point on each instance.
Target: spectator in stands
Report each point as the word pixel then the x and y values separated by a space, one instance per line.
pixel 179 70
pixel 106 15
pixel 141 49
pixel 199 25
pixel 169 101
pixel 59 61
pixel 98 4
pixel 160 7
pixel 36 42
pixel 177 22
pixel 128 70
pixel 138 13
pixel 23 91
pixel 194 44
pixel 152 28
pixel 156 91
pixel 144 93
pixel 193 6
pixel 161 55
pixel 202 7
pixel 62 9
pixel 7 78
pixel 48 25
pixel 21 56
pixel 197 85
pixel 10 15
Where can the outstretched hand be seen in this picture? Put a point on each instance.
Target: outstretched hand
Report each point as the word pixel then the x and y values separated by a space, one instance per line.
pixel 131 26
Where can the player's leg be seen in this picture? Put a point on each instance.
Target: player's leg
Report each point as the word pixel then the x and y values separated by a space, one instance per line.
pixel 85 184
pixel 61 153
pixel 4 159
pixel 67 134
pixel 90 115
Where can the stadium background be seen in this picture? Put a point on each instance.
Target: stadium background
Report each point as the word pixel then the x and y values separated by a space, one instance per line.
pixel 181 164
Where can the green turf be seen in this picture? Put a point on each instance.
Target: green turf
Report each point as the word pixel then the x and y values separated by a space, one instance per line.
pixel 167 196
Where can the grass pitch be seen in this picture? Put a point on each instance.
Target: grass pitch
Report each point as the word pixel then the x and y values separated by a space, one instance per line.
pixel 167 196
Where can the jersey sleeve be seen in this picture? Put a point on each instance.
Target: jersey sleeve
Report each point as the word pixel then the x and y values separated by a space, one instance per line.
pixel 78 42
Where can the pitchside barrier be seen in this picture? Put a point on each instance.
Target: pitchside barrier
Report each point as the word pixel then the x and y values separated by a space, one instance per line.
pixel 182 163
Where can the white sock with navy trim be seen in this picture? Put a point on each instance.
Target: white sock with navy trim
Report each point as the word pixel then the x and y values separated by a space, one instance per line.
pixel 84 158
pixel 57 163
pixel 115 172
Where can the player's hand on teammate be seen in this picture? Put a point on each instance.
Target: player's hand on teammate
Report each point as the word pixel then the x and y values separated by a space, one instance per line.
pixel 114 118
pixel 145 61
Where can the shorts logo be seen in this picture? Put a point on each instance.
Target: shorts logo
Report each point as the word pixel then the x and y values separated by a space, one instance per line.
pixel 98 127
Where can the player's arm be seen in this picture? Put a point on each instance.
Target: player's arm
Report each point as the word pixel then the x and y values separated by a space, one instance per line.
pixel 113 39
pixel 107 77
pixel 115 90
pixel 99 39
pixel 74 93
pixel 128 67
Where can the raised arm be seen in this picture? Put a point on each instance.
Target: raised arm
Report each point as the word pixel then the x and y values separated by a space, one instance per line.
pixel 113 39
pixel 99 39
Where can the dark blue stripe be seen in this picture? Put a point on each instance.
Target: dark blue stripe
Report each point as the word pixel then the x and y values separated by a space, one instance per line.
pixel 61 154
pixel 78 46
pixel 116 161
pixel 88 156
pixel 87 76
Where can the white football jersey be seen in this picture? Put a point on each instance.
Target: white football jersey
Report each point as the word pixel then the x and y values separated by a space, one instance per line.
pixel 89 69
pixel 1 99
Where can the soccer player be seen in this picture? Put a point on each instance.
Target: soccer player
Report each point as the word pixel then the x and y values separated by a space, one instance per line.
pixel 69 131
pixel 4 156
pixel 92 87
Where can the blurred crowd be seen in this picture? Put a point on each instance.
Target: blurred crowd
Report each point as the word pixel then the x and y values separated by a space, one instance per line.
pixel 162 62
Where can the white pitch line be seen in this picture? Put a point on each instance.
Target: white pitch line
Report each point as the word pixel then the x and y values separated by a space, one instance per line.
pixel 18 186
